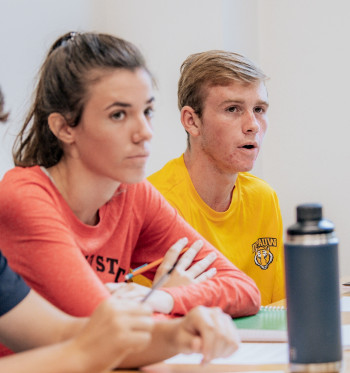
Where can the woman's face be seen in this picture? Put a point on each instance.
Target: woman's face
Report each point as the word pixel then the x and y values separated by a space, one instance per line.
pixel 112 139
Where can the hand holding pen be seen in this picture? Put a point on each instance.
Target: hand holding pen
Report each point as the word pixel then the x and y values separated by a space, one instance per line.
pixel 185 273
pixel 167 275
pixel 164 274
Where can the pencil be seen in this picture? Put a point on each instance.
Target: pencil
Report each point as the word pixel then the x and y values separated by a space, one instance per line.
pixel 159 283
pixel 146 267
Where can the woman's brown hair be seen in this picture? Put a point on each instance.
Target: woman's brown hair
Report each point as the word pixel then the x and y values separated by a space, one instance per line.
pixel 68 70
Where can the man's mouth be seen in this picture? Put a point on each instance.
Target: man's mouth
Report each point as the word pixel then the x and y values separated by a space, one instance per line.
pixel 248 146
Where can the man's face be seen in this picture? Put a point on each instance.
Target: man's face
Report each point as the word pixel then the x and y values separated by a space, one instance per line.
pixel 233 124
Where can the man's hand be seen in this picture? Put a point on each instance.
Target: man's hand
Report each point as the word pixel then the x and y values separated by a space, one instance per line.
pixel 116 328
pixel 208 331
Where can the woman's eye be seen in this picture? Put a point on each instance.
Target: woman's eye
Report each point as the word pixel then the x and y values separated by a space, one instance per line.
pixel 119 115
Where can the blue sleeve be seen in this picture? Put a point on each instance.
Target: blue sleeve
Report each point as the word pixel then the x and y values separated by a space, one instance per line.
pixel 12 288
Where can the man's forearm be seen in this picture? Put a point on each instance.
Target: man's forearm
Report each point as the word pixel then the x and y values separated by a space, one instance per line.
pixel 58 358
pixel 162 346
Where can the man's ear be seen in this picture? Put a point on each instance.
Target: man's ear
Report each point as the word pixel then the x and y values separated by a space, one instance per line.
pixel 190 121
pixel 60 128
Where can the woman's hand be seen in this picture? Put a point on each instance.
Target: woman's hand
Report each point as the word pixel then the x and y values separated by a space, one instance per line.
pixel 159 301
pixel 208 331
pixel 185 273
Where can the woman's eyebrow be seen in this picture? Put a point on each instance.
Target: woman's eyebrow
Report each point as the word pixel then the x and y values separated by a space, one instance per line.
pixel 125 104
pixel 118 103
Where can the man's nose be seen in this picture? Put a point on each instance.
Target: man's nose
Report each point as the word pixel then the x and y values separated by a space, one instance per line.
pixel 250 123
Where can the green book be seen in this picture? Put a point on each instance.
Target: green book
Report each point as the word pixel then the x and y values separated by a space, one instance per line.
pixel 268 325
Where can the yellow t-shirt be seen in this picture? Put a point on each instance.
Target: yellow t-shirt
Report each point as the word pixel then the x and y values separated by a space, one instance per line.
pixel 249 233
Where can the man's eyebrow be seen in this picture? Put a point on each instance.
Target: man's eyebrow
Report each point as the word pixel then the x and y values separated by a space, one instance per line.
pixel 125 104
pixel 234 101
pixel 263 102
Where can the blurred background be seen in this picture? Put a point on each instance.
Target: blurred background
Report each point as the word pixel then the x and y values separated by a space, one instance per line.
pixel 301 45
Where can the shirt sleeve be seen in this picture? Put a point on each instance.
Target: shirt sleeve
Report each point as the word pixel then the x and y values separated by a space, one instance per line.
pixel 39 246
pixel 12 288
pixel 230 289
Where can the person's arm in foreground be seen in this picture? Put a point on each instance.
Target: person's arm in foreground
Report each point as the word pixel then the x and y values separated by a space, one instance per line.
pixel 115 328
pixel 203 330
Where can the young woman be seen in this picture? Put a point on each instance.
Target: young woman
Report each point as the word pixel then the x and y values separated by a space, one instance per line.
pixel 114 335
pixel 76 212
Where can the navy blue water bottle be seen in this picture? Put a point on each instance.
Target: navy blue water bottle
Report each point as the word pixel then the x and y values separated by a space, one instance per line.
pixel 312 290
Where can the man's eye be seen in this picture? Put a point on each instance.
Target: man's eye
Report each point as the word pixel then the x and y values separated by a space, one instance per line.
pixel 119 115
pixel 149 112
pixel 232 109
pixel 259 110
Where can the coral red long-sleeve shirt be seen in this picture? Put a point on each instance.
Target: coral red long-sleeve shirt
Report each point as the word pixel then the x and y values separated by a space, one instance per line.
pixel 68 262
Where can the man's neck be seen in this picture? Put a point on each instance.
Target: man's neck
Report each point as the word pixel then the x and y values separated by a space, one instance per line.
pixel 214 187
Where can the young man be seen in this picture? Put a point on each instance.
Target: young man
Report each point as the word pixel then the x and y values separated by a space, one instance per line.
pixel 223 102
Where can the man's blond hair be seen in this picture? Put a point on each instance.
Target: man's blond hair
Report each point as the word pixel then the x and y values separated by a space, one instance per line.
pixel 213 68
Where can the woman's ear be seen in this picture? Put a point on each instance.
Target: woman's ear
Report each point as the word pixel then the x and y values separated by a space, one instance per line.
pixel 190 121
pixel 60 128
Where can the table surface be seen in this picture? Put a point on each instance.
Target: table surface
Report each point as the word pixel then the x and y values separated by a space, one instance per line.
pixel 211 368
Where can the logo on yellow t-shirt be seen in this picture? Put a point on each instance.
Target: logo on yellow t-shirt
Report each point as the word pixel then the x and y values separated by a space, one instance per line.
pixel 263 256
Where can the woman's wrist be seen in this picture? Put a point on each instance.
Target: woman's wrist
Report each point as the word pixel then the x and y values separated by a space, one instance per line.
pixel 161 301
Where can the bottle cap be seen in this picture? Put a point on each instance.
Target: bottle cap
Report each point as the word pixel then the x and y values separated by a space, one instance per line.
pixel 309 221
pixel 309 212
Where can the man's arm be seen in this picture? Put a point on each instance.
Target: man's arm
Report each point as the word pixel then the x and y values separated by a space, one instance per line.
pixel 202 330
pixel 35 322
pixel 113 336
pixel 99 343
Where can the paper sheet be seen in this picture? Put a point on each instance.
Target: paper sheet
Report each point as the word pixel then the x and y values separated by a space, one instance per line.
pixel 345 334
pixel 256 353
pixel 261 353
pixel 248 353
pixel 345 304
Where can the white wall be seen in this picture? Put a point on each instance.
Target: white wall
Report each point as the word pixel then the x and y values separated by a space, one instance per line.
pixel 304 48
pixel 27 29
pixel 301 45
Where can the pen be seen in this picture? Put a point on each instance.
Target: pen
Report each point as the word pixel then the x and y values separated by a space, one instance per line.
pixel 146 267
pixel 160 282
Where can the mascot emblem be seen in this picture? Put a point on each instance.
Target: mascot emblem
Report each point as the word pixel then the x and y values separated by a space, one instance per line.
pixel 263 256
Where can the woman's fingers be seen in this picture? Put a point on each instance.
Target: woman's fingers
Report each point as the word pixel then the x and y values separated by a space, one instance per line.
pixel 206 275
pixel 186 272
pixel 187 258
pixel 202 265
pixel 170 258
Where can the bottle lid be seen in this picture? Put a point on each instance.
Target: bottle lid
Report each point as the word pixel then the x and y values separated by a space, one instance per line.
pixel 310 221
pixel 309 212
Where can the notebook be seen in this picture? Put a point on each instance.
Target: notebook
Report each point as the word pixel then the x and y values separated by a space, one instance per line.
pixel 268 325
